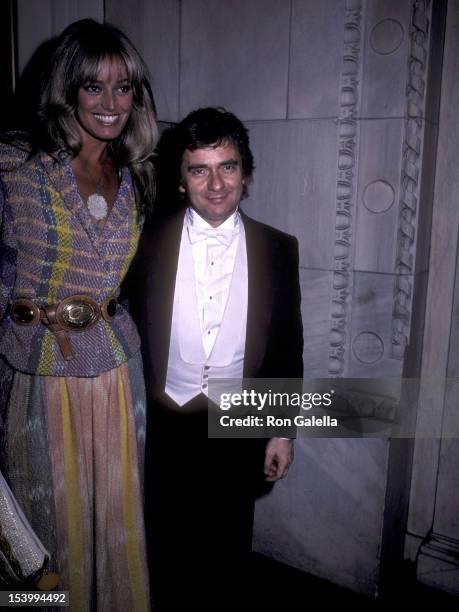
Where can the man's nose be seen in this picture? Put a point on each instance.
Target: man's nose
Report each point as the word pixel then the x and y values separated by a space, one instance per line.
pixel 108 100
pixel 216 182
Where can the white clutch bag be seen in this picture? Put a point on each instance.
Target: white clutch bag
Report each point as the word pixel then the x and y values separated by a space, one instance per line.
pixel 23 558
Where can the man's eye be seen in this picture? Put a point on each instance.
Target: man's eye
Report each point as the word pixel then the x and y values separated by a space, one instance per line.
pixel 229 167
pixel 197 171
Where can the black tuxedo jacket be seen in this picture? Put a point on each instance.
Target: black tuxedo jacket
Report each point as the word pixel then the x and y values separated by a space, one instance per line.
pixel 274 340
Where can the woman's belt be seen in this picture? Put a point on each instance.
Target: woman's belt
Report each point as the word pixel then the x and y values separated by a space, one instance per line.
pixel 73 314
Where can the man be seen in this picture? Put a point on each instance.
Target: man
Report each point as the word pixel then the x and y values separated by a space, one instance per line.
pixel 215 294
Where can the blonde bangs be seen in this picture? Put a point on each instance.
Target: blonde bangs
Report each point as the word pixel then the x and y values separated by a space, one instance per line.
pixel 90 68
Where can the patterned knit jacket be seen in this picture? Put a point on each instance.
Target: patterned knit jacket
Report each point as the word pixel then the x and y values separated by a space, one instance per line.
pixel 50 249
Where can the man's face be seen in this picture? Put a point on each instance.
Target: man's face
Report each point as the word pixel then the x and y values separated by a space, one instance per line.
pixel 212 180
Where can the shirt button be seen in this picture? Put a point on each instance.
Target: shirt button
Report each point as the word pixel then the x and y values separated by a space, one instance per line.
pixel 208 332
pixel 210 297
pixel 206 367
pixel 204 386
pixel 211 263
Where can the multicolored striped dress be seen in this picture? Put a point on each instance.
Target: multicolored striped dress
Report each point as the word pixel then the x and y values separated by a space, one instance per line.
pixel 72 433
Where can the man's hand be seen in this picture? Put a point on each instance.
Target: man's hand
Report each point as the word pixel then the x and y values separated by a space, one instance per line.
pixel 278 458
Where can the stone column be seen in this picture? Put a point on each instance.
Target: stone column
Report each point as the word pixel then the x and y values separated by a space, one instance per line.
pixel 433 527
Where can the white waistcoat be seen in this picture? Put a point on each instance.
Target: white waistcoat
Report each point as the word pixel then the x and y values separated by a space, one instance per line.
pixel 188 369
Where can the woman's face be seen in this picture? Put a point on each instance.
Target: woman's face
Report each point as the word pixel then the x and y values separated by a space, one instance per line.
pixel 104 104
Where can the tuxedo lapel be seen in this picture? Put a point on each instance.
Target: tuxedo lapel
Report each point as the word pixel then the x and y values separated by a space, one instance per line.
pixel 162 247
pixel 260 295
pixel 187 318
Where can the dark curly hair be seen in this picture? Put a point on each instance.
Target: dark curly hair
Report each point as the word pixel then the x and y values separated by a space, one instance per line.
pixel 205 127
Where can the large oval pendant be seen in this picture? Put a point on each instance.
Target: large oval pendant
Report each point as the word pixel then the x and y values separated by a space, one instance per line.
pixel 97 206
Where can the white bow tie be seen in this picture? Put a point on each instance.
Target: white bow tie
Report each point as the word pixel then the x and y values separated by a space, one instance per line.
pixel 224 236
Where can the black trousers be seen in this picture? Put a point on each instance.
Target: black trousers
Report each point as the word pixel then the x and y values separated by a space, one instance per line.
pixel 199 509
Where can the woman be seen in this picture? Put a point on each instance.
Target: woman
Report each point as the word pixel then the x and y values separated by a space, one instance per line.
pixel 73 417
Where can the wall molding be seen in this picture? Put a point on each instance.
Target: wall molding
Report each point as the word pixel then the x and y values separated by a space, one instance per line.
pixel 346 184
pixel 410 178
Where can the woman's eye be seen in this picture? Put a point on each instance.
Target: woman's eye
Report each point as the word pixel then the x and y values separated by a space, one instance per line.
pixel 125 89
pixel 92 88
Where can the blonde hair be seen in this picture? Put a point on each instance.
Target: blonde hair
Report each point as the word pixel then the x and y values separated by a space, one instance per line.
pixel 77 58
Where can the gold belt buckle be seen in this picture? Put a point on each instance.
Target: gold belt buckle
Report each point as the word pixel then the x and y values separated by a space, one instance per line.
pixel 77 313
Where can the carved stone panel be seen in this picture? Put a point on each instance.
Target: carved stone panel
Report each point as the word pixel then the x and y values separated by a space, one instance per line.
pixel 295 183
pixel 235 54
pixel 156 33
pixel 161 36
pixel 345 186
pixel 326 518
pixel 66 11
pixel 378 195
pixel 371 327
pixel 125 15
pixel 316 45
pixel 40 20
pixel 386 48
pixel 316 287
pixel 34 27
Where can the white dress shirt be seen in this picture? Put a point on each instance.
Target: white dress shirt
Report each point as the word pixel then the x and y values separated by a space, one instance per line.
pixel 214 253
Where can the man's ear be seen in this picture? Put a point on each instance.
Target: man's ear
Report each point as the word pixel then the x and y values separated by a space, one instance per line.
pixel 181 188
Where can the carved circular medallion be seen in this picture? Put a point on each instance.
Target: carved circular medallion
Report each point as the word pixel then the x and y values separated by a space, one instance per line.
pixel 386 37
pixel 378 196
pixel 368 347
